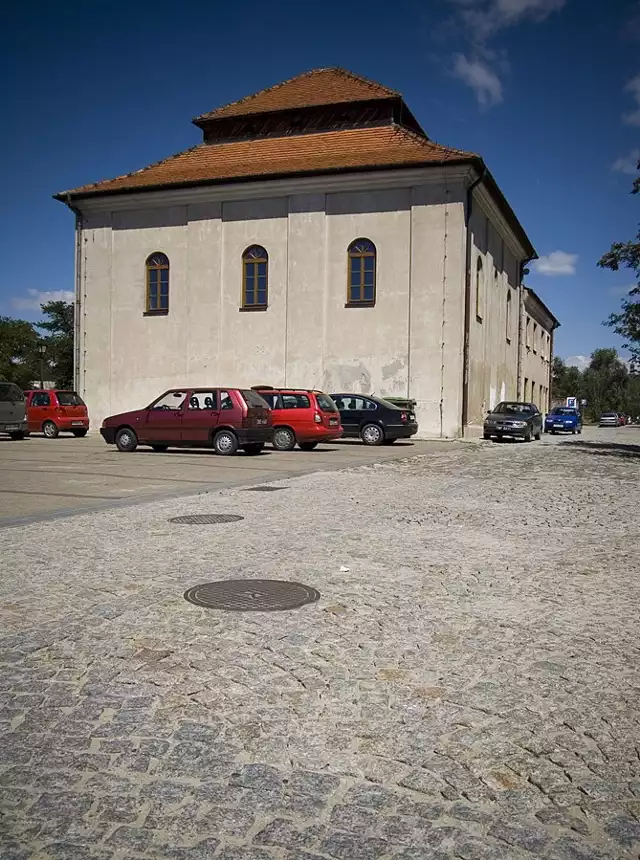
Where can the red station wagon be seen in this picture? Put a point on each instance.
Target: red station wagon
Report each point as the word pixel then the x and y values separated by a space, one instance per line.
pixel 305 417
pixel 224 419
pixel 53 411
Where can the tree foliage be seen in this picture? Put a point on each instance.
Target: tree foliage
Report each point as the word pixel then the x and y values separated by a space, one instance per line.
pixel 606 384
pixel 626 255
pixel 20 344
pixel 18 351
pixel 59 341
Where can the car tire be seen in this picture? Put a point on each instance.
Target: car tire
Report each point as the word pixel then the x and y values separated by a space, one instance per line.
pixel 307 446
pixel 225 443
pixel 573 432
pixel 126 440
pixel 579 431
pixel 17 435
pixel 538 436
pixel 253 448
pixel 372 434
pixel 50 430
pixel 284 439
pixel 527 436
pixel 79 434
pixel 159 448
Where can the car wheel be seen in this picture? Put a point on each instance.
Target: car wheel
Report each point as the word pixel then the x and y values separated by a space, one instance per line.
pixel 538 436
pixel 486 436
pixel 159 448
pixel 579 430
pixel 254 448
pixel 573 432
pixel 527 436
pixel 225 442
pixel 126 440
pixel 17 435
pixel 79 434
pixel 307 446
pixel 50 430
pixel 371 434
pixel 284 439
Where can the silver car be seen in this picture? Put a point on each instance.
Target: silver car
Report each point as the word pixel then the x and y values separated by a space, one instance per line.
pixel 13 419
pixel 610 419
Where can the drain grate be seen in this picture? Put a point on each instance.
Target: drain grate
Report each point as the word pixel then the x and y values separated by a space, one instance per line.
pixel 251 595
pixel 264 489
pixel 206 519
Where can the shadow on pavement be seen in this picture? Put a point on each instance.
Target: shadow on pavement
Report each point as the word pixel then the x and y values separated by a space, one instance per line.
pixel 606 449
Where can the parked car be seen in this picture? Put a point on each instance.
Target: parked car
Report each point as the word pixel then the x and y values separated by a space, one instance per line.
pixel 301 417
pixel 13 419
pixel 224 419
pixel 510 418
pixel 373 420
pixel 53 411
pixel 611 419
pixel 562 419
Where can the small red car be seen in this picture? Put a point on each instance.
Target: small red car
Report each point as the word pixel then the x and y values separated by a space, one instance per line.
pixel 52 411
pixel 302 417
pixel 224 419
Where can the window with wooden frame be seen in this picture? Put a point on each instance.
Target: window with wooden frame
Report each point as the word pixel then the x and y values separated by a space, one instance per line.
pixel 255 279
pixel 508 318
pixel 479 289
pixel 157 291
pixel 361 276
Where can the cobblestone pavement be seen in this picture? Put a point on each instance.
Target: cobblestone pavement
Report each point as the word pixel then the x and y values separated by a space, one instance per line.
pixel 468 685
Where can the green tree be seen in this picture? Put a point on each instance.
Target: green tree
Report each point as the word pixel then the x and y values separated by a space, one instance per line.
pixel 606 383
pixel 19 355
pixel 626 255
pixel 59 341
pixel 566 380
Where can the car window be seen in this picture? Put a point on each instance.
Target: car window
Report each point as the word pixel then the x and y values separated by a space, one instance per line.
pixel 325 403
pixel 173 400
pixel 563 410
pixel 69 398
pixel 252 398
pixel 273 399
pixel 354 404
pixel 11 393
pixel 295 401
pixel 225 400
pixel 369 405
pixel 203 400
pixel 523 408
pixel 41 398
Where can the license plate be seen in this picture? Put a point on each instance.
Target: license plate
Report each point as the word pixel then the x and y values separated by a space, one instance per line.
pixel 10 428
pixel 333 422
pixel 261 421
pixel 77 423
pixel 559 426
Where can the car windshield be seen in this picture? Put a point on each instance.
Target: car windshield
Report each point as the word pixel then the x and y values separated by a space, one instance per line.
pixel 563 410
pixel 252 398
pixel 11 393
pixel 610 415
pixel 325 403
pixel 69 398
pixel 523 408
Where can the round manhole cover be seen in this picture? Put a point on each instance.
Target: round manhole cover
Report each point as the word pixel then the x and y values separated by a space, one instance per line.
pixel 251 595
pixel 206 519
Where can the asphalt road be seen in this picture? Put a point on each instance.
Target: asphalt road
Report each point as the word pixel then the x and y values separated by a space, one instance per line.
pixel 43 478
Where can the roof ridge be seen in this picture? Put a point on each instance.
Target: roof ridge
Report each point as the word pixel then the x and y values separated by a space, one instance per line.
pixel 345 72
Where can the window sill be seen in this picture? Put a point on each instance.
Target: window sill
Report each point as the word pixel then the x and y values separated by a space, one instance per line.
pixel 478 318
pixel 360 304
pixel 508 340
pixel 161 313
pixel 253 308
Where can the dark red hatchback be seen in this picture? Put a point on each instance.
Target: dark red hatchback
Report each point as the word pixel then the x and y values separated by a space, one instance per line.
pixel 224 419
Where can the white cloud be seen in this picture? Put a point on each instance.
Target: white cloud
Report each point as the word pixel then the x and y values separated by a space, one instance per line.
pixel 35 298
pixel 556 263
pixel 579 361
pixel 627 163
pixel 632 117
pixel 485 83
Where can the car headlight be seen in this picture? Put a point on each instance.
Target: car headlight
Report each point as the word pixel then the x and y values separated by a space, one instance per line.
pixel 519 424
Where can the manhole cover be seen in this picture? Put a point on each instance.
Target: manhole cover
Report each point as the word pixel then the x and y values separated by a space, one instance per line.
pixel 206 519
pixel 251 595
pixel 264 489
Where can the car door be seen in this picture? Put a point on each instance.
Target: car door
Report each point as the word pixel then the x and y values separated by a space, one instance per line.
pixel 201 416
pixel 164 418
pixel 354 414
pixel 38 410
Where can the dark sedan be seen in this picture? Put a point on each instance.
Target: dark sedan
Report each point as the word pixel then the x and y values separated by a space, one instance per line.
pixel 522 420
pixel 374 420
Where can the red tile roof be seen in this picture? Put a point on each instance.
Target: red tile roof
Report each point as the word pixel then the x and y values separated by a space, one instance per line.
pixel 317 87
pixel 385 146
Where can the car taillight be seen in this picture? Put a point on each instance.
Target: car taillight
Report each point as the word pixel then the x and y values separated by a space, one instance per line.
pixel 61 411
pixel 403 417
pixel 317 418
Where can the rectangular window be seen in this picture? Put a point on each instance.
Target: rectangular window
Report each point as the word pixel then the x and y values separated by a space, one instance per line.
pixel 295 401
pixel 528 333
pixel 535 337
pixel 526 390
pixel 203 400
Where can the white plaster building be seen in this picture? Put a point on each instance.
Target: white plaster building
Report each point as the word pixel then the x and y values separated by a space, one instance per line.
pixel 315 238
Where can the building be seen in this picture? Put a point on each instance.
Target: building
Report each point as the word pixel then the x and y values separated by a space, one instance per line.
pixel 316 237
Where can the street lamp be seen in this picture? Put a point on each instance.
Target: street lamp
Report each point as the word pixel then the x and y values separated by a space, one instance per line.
pixel 42 350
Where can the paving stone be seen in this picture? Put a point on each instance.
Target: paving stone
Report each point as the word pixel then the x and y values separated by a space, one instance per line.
pixel 283 832
pixel 203 850
pixel 527 837
pixel 624 830
pixel 244 854
pixel 347 847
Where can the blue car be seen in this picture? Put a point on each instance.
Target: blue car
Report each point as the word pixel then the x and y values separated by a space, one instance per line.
pixel 562 419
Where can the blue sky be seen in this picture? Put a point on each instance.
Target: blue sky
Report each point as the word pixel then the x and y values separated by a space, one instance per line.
pixel 547 91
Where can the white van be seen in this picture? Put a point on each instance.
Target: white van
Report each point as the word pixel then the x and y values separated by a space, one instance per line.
pixel 13 416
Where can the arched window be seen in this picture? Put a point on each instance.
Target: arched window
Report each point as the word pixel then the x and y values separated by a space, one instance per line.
pixel 479 289
pixel 508 319
pixel 255 278
pixel 157 284
pixel 361 283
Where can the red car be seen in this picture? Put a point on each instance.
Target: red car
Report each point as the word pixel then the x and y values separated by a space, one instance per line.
pixel 302 417
pixel 224 419
pixel 53 411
